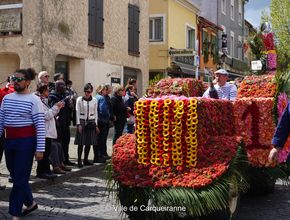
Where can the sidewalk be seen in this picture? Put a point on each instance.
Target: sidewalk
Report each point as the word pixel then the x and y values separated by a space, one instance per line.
pixel 37 183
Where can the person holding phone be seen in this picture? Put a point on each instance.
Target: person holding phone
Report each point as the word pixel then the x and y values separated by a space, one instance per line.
pixel 22 118
pixel 63 118
pixel 43 170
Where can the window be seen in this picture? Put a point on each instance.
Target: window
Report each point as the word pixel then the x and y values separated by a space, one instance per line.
pixel 96 22
pixel 232 9
pixel 214 46
pixel 223 6
pixel 240 12
pixel 204 41
pixel 232 43
pixel 133 29
pixel 156 29
pixel 190 38
pixel 10 23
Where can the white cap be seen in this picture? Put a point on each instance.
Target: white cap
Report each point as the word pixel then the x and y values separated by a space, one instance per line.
pixel 222 71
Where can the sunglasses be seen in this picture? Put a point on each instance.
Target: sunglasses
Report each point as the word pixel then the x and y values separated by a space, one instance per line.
pixel 17 79
pixel 88 91
pixel 47 76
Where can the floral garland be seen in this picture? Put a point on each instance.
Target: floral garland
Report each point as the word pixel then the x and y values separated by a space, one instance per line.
pixel 172 131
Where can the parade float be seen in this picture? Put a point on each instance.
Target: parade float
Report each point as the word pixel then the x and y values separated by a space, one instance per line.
pixel 191 157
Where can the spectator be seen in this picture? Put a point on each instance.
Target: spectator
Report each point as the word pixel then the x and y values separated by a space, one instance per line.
pixel 73 94
pixel 109 90
pixel 87 124
pixel 100 151
pixel 43 77
pixel 56 77
pixel 130 99
pixel 132 82
pixel 224 89
pixel 43 168
pixel 22 117
pixel 9 88
pixel 119 112
pixel 281 134
pixel 63 118
pixel 57 158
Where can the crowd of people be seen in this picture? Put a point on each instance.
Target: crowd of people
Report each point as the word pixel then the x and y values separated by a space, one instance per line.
pixel 38 125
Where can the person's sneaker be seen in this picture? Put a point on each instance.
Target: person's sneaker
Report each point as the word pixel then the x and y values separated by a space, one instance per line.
pixel 2 187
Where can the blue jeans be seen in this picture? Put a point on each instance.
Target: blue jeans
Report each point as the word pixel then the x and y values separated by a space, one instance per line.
pixel 19 155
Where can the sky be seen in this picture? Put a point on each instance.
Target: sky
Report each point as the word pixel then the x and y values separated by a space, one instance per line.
pixel 253 10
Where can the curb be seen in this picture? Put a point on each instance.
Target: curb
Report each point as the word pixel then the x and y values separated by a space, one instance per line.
pixel 36 183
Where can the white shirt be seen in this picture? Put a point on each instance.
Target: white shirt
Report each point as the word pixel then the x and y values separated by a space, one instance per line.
pixel 227 91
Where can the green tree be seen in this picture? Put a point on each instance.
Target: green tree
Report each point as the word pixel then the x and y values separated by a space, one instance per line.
pixel 280 16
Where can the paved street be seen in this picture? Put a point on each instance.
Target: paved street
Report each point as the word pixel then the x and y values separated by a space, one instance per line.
pixel 79 198
pixel 86 198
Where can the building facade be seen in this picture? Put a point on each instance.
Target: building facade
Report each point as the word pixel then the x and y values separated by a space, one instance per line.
pixel 228 14
pixel 208 48
pixel 93 41
pixel 172 37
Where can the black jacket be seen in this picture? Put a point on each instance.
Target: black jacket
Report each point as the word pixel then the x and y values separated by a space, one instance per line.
pixel 119 109
pixel 65 114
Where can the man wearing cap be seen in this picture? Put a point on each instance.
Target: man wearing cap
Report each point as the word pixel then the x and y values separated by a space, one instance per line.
pixel 224 89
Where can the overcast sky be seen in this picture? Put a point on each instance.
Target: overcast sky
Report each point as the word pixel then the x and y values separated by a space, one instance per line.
pixel 253 10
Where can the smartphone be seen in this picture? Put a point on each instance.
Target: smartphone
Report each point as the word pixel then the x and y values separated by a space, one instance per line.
pixel 64 99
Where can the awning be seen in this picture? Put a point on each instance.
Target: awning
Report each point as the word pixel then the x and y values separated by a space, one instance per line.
pixel 187 69
pixel 236 74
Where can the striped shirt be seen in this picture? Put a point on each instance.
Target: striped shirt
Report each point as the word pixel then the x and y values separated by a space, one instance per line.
pixel 227 91
pixel 20 110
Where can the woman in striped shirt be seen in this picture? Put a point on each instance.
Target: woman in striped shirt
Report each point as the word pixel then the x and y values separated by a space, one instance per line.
pixel 22 118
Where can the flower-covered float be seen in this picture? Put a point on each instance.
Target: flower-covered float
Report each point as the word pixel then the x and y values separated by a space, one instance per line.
pixel 184 154
pixel 261 101
pixel 188 156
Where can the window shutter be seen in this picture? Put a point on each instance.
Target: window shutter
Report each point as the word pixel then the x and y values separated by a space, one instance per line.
pixel 92 21
pixel 100 22
pixel 131 28
pixel 136 29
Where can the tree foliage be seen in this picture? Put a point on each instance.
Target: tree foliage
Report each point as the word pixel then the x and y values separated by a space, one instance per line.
pixel 280 16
